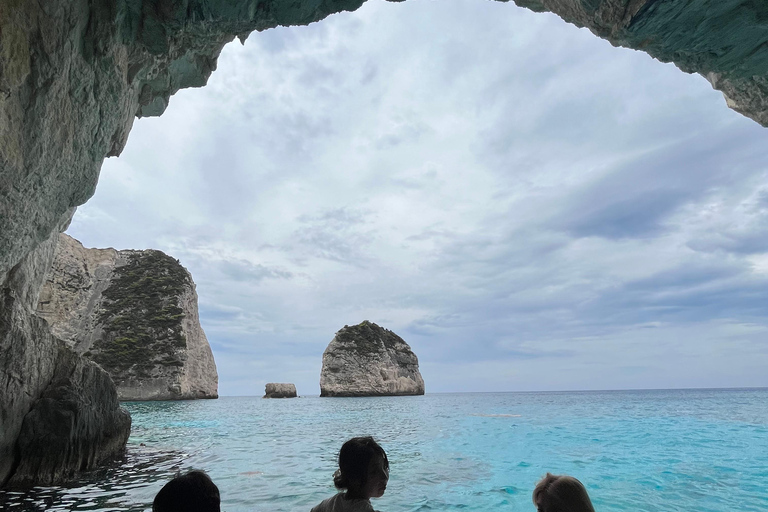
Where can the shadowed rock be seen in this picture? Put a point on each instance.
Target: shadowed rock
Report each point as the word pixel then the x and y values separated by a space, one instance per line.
pixel 368 360
pixel 59 413
pixel 75 425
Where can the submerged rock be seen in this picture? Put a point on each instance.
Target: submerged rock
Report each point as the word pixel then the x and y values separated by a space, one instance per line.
pixel 279 390
pixel 135 314
pixel 368 360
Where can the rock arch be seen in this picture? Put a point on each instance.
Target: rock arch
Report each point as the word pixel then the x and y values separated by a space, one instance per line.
pixel 74 74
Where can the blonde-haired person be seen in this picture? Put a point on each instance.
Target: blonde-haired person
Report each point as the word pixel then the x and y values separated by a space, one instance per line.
pixel 561 493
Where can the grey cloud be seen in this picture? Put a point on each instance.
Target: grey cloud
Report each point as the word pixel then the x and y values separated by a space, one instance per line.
pixel 432 234
pixel 336 234
pixel 242 270
pixel 742 241
pixel 407 129
pixel 342 218
pixel 635 198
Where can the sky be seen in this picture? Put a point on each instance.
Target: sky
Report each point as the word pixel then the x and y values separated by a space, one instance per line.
pixel 528 207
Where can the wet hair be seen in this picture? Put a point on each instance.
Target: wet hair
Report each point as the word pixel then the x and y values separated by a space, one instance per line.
pixel 191 492
pixel 561 493
pixel 355 458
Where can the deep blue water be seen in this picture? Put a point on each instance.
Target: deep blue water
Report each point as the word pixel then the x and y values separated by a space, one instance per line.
pixel 679 450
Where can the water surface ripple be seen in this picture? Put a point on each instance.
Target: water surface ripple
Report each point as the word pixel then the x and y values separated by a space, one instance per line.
pixel 679 450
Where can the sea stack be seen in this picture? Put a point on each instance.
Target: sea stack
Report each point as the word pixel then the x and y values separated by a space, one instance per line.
pixel 135 314
pixel 368 360
pixel 279 390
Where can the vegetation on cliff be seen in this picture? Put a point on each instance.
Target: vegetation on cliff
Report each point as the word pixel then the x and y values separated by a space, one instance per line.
pixel 141 317
pixel 367 337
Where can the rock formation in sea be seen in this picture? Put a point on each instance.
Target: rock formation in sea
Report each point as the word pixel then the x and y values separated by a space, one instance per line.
pixel 135 314
pixel 74 75
pixel 368 360
pixel 279 390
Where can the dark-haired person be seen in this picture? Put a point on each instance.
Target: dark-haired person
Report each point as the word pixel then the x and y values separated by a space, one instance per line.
pixel 561 493
pixel 363 472
pixel 191 492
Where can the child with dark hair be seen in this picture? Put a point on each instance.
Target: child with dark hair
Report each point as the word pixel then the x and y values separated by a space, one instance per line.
pixel 191 492
pixel 363 472
pixel 561 493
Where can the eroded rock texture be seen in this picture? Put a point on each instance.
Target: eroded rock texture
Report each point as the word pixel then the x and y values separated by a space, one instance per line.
pixel 58 411
pixel 368 360
pixel 726 41
pixel 134 313
pixel 75 425
pixel 279 390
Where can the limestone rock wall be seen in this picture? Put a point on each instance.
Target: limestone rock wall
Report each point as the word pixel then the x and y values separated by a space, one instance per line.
pixel 723 40
pixel 134 313
pixel 368 360
pixel 58 412
pixel 76 424
pixel 279 390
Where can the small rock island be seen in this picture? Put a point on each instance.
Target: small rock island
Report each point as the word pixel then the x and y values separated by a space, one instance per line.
pixel 279 390
pixel 135 314
pixel 368 360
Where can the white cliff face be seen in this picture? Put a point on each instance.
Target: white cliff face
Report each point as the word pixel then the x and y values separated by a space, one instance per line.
pixel 71 294
pixel 368 360
pixel 134 313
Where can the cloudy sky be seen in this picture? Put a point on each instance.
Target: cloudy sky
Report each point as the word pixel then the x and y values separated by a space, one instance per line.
pixel 527 206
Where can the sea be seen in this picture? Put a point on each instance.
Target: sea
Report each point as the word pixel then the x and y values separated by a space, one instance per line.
pixel 701 450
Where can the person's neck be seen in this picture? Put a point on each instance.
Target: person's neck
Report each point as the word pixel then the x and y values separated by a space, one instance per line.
pixel 355 495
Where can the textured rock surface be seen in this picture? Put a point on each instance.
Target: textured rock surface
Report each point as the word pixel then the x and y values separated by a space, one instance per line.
pixel 76 424
pixel 87 417
pixel 279 390
pixel 368 360
pixel 134 313
pixel 726 41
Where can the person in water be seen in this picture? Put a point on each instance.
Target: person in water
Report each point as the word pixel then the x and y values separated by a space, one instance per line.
pixel 363 472
pixel 191 492
pixel 561 493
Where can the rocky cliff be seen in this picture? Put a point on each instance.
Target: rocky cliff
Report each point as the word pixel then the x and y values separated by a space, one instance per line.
pixel 368 360
pixel 279 390
pixel 59 412
pixel 134 313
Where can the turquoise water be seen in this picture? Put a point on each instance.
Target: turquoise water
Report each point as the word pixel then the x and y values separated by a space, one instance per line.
pixel 680 450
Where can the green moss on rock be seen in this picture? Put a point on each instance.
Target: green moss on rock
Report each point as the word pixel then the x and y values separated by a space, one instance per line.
pixel 367 337
pixel 141 317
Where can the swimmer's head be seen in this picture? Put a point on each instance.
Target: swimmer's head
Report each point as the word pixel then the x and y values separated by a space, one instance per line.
pixel 191 492
pixel 363 468
pixel 561 493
